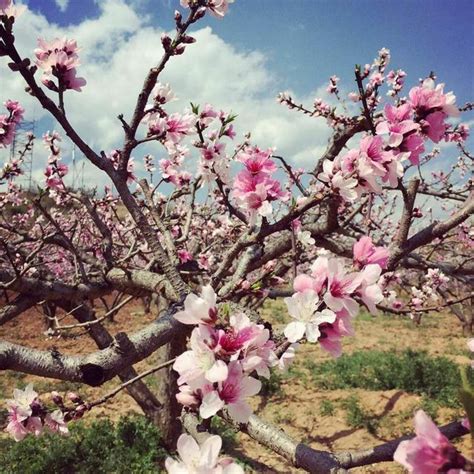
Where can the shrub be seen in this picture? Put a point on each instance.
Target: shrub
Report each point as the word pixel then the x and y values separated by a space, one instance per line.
pixel 416 372
pixel 357 417
pixel 327 408
pixel 130 446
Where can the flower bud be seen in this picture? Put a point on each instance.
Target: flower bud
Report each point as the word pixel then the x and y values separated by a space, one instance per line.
pixel 177 18
pixel 166 42
pixel 186 39
pixel 200 13
pixel 74 397
pixel 178 50
pixel 79 411
pixel 57 399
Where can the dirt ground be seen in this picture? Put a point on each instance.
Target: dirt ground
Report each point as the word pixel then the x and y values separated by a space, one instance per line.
pixel 299 408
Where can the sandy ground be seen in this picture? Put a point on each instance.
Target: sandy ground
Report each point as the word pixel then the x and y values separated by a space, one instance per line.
pixel 298 408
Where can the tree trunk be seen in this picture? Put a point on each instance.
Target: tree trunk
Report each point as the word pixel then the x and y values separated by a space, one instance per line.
pixel 167 390
pixel 139 391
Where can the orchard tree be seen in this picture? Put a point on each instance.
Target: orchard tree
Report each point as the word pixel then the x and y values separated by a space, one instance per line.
pixel 240 225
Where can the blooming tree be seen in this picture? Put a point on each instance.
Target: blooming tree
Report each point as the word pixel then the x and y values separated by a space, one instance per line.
pixel 239 226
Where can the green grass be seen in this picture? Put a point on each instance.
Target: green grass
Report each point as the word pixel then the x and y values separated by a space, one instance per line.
pixel 327 408
pixel 358 417
pixel 129 447
pixel 436 378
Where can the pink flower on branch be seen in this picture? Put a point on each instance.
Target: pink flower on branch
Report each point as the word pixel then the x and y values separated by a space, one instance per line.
pixel 231 394
pixel 217 7
pixel 9 122
pixel 199 309
pixel 366 252
pixel 59 58
pixel 430 451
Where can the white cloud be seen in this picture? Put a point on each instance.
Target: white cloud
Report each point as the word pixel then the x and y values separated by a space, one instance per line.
pixel 118 48
pixel 62 4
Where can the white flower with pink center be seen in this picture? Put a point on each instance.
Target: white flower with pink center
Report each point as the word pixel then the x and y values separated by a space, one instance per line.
pixel 200 361
pixel 231 394
pixel 204 459
pixel 199 309
pixel 304 308
pixel 340 287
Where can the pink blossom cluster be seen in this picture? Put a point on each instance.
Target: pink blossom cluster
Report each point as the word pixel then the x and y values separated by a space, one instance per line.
pixel 172 172
pixel 214 374
pixel 429 452
pixel 27 415
pixel 11 169
pixel 396 79
pixel 58 58
pixel 170 129
pixel 200 459
pixel 458 134
pixel 363 170
pixel 8 122
pixel 254 188
pixel 214 161
pixel 325 302
pixel 55 171
pixel 433 280
pixel 332 87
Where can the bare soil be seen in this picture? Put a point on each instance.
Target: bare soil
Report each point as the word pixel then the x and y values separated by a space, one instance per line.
pixel 299 408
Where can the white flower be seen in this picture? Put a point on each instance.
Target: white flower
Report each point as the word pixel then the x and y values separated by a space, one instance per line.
pixel 202 459
pixel 305 238
pixel 303 307
pixel 199 309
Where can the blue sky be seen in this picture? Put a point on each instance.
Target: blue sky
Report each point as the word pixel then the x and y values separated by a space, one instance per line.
pixel 241 62
pixel 306 41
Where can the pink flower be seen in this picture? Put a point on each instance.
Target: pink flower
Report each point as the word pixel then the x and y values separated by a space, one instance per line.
pixel 366 252
pixel 4 4
pixel 219 7
pixel 434 126
pixel 331 334
pixel 344 186
pixel 258 161
pixel 430 451
pixel 231 394
pixel 55 422
pixel 162 93
pixel 199 309
pixel 178 126
pixel 248 342
pixel 200 361
pixel 204 459
pixel 368 288
pixel 59 58
pixel 9 122
pixel 22 414
pixel 427 98
pixel 184 256
pixel 340 287
pixel 11 10
pixel 15 427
